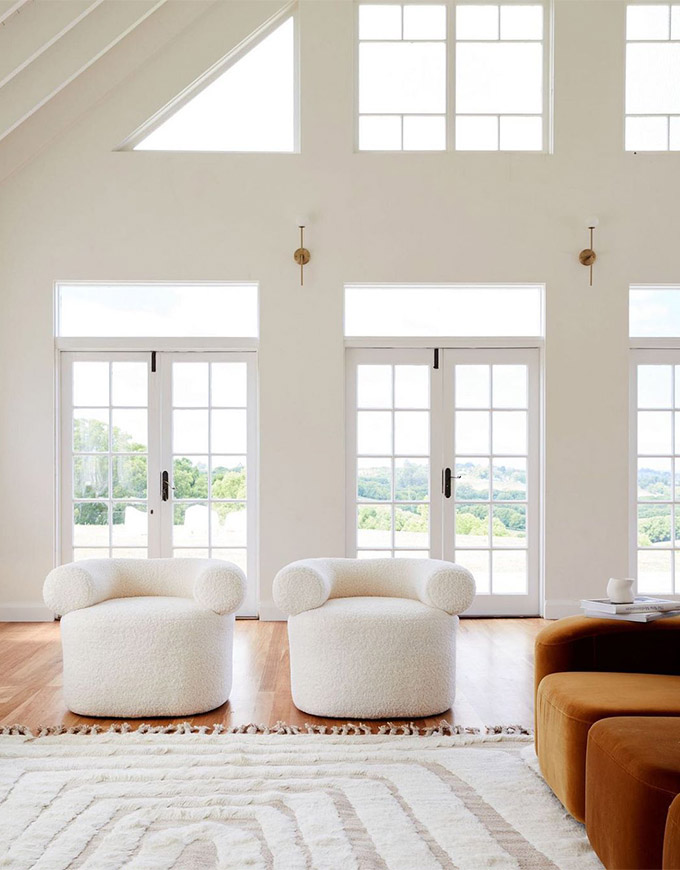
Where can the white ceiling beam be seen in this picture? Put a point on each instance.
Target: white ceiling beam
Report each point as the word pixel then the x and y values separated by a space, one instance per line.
pixel 9 7
pixel 76 51
pixel 161 33
pixel 37 29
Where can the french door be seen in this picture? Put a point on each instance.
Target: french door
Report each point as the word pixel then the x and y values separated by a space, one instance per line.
pixel 158 457
pixel 444 462
pixel 655 471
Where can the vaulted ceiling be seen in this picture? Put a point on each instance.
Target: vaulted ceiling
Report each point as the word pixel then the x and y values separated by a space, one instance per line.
pixel 47 44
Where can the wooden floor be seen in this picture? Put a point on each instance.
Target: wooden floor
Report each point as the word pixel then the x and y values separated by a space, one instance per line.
pixel 494 686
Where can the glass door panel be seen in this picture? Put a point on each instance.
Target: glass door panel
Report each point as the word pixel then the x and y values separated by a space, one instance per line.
pixel 655 430
pixel 491 432
pixel 390 471
pixel 209 437
pixel 105 456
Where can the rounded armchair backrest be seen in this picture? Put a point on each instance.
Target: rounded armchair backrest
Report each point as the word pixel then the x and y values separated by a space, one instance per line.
pixel 391 578
pixel 128 578
pixel 214 583
pixel 308 583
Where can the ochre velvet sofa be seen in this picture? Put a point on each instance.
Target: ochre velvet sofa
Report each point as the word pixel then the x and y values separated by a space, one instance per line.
pixel 671 840
pixel 632 778
pixel 592 669
pixel 608 734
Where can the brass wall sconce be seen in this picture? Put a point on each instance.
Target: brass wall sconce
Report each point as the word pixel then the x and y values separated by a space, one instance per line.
pixel 302 255
pixel 588 256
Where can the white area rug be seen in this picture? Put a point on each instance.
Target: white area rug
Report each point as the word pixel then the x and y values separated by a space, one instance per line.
pixel 288 802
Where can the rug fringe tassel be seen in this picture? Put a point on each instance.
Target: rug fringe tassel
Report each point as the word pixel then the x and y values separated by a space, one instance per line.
pixel 443 729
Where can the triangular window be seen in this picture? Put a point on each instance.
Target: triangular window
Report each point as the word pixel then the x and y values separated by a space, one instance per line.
pixel 248 107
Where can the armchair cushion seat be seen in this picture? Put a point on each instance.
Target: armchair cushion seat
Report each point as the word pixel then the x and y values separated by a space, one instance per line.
pixel 373 658
pixel 569 703
pixel 146 656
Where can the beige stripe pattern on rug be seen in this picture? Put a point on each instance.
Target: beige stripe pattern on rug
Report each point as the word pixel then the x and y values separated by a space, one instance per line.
pixel 280 802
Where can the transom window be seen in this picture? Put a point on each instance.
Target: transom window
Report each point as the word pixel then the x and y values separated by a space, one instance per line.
pixel 411 54
pixel 431 310
pixel 654 311
pixel 132 310
pixel 653 77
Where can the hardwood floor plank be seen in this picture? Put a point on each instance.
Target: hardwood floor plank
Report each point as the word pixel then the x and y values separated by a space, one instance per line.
pixel 494 686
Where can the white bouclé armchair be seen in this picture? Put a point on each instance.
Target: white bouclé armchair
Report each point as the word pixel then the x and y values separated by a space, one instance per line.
pixel 373 638
pixel 146 637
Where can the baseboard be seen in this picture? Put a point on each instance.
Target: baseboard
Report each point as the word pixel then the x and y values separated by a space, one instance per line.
pixel 556 608
pixel 271 613
pixel 25 612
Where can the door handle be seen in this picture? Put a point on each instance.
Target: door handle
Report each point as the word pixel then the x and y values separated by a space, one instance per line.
pixel 447 477
pixel 165 486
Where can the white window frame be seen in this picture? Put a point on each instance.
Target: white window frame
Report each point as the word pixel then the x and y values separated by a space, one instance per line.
pixel 404 351
pixel 626 115
pixel 442 341
pixel 650 351
pixel 165 343
pixel 290 10
pixel 548 75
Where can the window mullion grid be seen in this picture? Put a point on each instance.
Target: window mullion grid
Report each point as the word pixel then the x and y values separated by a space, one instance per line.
pixel 673 442
pixel 451 76
pixel 110 460
pixel 547 83
pixel 210 412
pixel 73 470
pixel 491 453
pixel 393 509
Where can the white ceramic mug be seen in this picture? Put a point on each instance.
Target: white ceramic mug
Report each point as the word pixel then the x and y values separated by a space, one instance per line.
pixel 621 591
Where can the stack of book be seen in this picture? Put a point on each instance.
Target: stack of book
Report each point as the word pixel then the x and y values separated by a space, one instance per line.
pixel 641 609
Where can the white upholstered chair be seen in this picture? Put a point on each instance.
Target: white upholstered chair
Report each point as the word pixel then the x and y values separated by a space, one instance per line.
pixel 373 638
pixel 146 637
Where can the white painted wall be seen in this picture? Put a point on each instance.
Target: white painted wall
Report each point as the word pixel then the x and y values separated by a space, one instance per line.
pixel 80 210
